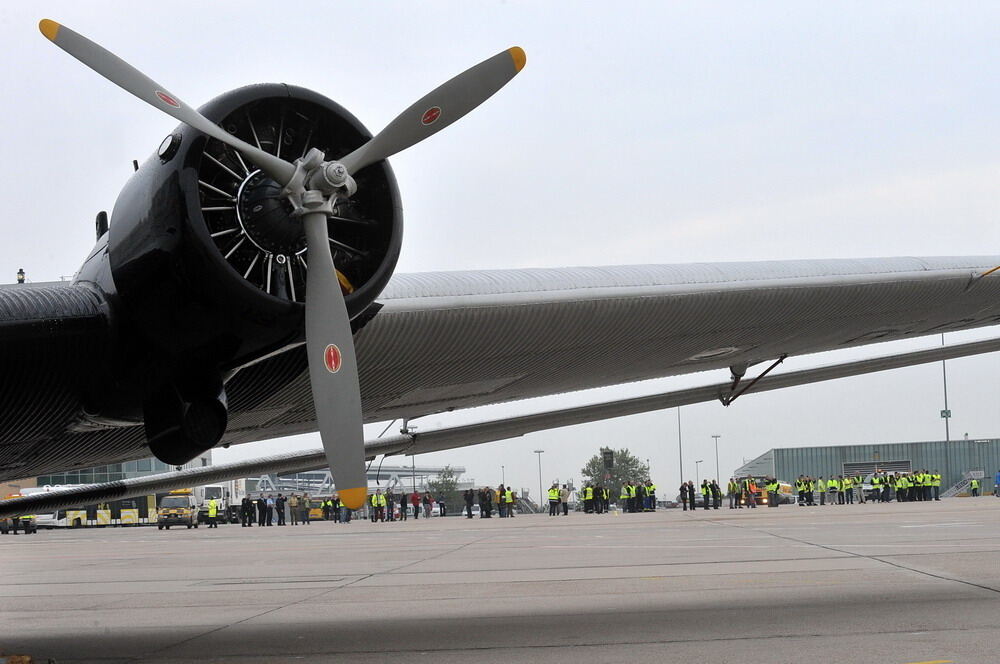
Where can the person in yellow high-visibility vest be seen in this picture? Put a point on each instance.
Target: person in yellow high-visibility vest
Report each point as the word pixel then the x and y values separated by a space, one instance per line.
pixel 213 512
pixel 902 489
pixel 26 521
pixel 502 501
pixel 917 485
pixel 588 499
pixel 974 487
pixel 554 500
pixel 650 505
pixel 706 493
pixel 378 503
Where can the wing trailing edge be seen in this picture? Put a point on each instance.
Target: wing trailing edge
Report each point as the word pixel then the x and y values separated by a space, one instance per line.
pixel 477 433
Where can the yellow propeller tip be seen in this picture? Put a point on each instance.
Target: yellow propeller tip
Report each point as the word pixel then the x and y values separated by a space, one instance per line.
pixel 353 498
pixel 517 54
pixel 49 28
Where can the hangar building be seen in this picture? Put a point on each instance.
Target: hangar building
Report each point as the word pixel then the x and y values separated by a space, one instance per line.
pixel 955 460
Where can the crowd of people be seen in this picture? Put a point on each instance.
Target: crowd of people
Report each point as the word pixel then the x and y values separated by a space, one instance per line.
pixel 710 491
pixel 882 487
pixel 382 507
pixel 633 497
pixel 919 485
pixel 502 500
pixel 279 510
pixel 270 510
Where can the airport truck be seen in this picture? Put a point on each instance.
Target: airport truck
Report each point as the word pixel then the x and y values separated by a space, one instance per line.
pixel 26 522
pixel 786 495
pixel 227 495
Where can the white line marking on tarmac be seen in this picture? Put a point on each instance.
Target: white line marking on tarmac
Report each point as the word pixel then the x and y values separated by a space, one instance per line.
pixel 959 544
pixel 680 546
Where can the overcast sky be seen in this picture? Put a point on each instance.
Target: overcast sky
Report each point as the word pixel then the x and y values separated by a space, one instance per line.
pixel 637 133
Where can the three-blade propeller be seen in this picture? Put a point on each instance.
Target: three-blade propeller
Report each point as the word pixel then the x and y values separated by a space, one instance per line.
pixel 333 370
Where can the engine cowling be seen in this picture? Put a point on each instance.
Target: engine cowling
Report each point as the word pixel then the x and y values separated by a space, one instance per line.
pixel 209 266
pixel 196 222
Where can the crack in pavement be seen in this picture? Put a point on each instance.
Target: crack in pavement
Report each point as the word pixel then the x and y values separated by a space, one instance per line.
pixel 325 591
pixel 878 559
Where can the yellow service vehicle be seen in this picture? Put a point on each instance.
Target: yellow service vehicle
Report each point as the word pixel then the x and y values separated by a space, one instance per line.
pixel 13 524
pixel 786 495
pixel 177 508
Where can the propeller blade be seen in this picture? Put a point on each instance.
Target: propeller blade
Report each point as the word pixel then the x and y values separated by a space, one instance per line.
pixel 333 368
pixel 127 77
pixel 438 109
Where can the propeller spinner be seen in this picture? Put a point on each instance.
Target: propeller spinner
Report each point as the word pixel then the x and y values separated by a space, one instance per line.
pixel 313 186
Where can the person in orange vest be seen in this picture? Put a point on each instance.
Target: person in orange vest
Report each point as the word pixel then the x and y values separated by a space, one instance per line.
pixel 750 489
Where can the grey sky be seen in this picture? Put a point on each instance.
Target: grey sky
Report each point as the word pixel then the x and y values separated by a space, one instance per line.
pixel 639 133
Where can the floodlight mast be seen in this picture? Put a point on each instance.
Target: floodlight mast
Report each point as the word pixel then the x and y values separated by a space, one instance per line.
pixel 718 476
pixel 539 453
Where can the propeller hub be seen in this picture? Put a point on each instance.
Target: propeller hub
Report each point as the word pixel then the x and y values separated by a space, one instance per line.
pixel 265 216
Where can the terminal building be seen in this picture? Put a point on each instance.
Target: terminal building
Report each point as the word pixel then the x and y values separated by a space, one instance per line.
pixel 956 460
pixel 119 471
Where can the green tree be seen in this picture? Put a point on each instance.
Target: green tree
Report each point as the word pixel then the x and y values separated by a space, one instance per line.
pixel 445 487
pixel 627 468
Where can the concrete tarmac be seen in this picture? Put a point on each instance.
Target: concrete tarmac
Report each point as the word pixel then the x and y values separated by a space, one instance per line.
pixel 893 584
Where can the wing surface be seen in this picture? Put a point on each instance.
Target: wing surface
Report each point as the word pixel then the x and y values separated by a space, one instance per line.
pixel 451 340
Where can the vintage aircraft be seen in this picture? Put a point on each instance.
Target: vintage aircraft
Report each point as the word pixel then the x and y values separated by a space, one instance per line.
pixel 244 290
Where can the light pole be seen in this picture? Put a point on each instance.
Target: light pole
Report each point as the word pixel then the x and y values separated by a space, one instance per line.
pixel 539 453
pixel 697 477
pixel 718 477
pixel 407 430
pixel 503 476
pixel 945 414
pixel 680 447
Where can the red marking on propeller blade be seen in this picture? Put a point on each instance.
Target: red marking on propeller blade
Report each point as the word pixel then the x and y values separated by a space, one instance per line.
pixel 332 358
pixel 431 115
pixel 167 99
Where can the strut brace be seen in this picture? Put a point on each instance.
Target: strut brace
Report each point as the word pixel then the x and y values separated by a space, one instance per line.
pixel 727 399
